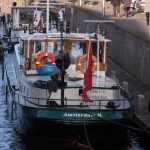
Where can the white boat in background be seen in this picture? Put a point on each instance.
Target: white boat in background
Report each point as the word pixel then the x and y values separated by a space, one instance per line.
pixel 33 18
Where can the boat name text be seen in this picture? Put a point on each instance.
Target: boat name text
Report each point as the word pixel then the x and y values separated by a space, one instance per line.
pixel 80 115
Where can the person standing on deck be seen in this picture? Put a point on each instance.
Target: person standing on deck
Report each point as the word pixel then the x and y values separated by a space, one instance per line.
pixel 116 7
pixel 147 11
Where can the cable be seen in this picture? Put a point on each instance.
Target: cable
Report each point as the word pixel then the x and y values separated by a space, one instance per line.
pixel 87 139
pixel 120 124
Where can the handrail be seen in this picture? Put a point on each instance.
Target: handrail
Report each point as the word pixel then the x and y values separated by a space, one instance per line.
pixel 126 97
pixel 28 99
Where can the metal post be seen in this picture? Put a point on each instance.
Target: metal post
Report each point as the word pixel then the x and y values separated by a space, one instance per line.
pixel 6 92
pixel 3 70
pixel 141 105
pixel 125 85
pixel 149 27
pixel 97 36
pixel 113 72
pixel 62 69
pixel 149 107
pixel 47 23
pixel 11 112
pixel 80 2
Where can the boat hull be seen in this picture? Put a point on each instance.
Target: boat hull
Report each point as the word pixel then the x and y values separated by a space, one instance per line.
pixel 74 116
pixel 52 121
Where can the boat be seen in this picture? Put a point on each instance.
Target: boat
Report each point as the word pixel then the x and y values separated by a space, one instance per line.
pixel 61 79
pixel 33 18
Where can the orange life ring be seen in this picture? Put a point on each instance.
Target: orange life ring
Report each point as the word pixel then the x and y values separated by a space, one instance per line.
pixel 43 55
pixel 80 65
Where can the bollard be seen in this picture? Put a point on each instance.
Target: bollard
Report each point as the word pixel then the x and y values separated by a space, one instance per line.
pixel 72 11
pixel 149 107
pixel 125 85
pixel 113 72
pixel 141 105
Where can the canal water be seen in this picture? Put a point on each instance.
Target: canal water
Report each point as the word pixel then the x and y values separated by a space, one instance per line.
pixel 11 140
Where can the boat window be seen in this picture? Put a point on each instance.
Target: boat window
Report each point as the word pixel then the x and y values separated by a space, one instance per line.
pixel 51 47
pixel 39 47
pixel 36 48
pixel 26 16
pixel 77 50
pixel 94 52
pixel 22 47
pixel 53 18
pixel 56 48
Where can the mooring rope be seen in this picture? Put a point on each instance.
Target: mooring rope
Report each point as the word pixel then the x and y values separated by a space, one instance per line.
pixel 87 139
pixel 113 122
pixel 120 124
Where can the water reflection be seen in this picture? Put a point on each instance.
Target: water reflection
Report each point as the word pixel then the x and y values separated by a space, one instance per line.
pixel 133 141
pixel 10 140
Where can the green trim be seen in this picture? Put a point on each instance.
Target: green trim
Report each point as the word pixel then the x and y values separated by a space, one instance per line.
pixel 76 115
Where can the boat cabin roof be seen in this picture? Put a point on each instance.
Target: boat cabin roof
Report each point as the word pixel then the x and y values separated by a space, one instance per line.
pixel 56 37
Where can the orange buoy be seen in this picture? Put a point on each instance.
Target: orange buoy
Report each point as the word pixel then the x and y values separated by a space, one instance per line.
pixel 80 63
pixel 43 55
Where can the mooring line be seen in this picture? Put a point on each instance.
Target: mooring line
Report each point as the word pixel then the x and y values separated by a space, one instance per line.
pixel 87 139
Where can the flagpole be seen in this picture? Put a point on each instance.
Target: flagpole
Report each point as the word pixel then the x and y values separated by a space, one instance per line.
pixel 149 23
pixel 104 61
pixel 63 67
pixel 103 8
pixel 97 36
pixel 47 23
pixel 36 13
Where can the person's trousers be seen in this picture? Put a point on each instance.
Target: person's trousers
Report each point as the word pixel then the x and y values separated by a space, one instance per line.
pixel 116 10
pixel 147 17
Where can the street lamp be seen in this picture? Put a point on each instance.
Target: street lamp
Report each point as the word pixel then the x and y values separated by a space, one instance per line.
pixel 80 2
pixel 103 8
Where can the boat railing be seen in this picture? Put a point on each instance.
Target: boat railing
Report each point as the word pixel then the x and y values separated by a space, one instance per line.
pixel 54 103
pixel 125 93
pixel 113 77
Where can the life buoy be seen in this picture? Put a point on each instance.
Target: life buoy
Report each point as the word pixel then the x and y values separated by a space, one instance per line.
pixel 43 55
pixel 80 61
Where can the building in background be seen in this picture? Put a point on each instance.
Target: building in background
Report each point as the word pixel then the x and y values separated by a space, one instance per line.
pixel 5 5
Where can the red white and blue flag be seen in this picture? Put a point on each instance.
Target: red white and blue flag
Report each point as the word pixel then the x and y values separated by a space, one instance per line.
pixel 40 23
pixel 35 17
pixel 60 11
pixel 88 76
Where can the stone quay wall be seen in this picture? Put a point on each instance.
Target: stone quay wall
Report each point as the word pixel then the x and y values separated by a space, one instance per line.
pixel 131 51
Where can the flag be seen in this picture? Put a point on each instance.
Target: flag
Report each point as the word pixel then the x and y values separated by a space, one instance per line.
pixel 62 8
pixel 88 76
pixel 35 17
pixel 40 21
pixel 60 12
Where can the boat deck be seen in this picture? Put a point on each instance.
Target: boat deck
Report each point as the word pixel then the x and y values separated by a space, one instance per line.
pixel 97 82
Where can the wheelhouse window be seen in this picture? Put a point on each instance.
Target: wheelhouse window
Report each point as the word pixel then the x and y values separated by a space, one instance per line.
pixel 26 16
pixel 77 50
